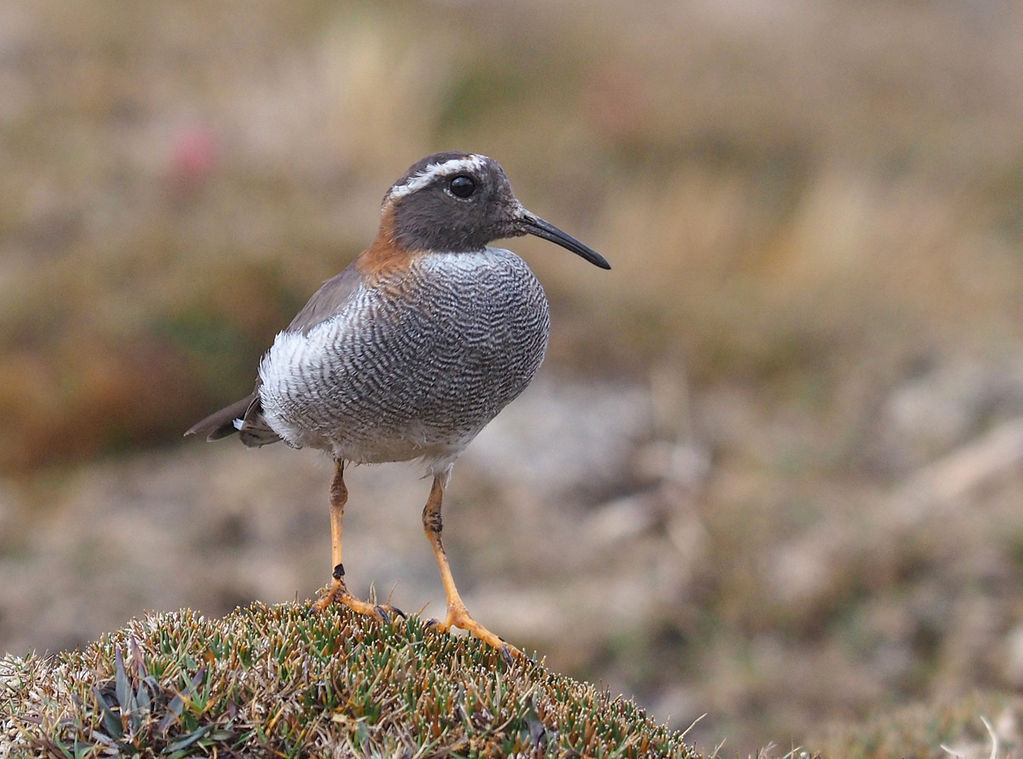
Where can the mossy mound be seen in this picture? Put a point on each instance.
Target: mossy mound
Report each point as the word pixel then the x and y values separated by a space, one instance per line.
pixel 275 681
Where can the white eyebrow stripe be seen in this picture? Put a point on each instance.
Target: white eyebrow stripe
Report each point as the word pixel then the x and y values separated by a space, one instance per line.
pixel 432 171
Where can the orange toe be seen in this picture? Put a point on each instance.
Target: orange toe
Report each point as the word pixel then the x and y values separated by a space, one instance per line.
pixel 458 616
pixel 338 593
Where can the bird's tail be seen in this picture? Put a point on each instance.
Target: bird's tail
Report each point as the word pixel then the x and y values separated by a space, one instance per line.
pixel 244 417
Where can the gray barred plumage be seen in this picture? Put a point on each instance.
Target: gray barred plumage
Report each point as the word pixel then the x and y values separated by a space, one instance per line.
pixel 392 379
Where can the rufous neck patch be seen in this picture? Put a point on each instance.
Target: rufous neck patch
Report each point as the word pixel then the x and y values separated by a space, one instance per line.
pixel 385 256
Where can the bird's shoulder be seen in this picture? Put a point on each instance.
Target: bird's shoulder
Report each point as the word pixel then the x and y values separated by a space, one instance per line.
pixel 327 301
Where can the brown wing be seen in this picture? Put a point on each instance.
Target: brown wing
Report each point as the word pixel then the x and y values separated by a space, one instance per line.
pixel 253 429
pixel 327 301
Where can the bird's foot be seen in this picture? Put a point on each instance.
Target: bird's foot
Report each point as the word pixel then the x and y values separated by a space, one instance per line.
pixel 338 593
pixel 458 616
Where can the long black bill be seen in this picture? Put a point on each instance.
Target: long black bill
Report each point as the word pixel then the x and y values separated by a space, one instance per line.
pixel 534 225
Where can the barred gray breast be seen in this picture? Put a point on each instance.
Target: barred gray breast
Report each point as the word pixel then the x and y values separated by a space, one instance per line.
pixel 394 378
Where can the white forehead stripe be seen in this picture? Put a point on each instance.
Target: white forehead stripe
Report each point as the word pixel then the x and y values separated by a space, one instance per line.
pixel 433 170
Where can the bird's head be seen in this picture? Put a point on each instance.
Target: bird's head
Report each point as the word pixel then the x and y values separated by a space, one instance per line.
pixel 455 202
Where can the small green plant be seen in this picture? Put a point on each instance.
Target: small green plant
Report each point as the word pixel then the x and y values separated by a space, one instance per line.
pixel 138 713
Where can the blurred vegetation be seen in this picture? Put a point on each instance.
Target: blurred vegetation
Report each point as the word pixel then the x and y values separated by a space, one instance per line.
pixel 973 726
pixel 771 186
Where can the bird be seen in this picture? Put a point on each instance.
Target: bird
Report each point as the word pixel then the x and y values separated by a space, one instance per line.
pixel 410 351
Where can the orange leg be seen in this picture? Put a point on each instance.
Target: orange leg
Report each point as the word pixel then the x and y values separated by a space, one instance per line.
pixel 338 592
pixel 458 615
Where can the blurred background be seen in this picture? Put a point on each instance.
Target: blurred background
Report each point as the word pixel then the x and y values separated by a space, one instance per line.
pixel 772 471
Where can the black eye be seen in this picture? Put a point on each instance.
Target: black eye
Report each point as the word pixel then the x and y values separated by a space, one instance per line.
pixel 462 186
